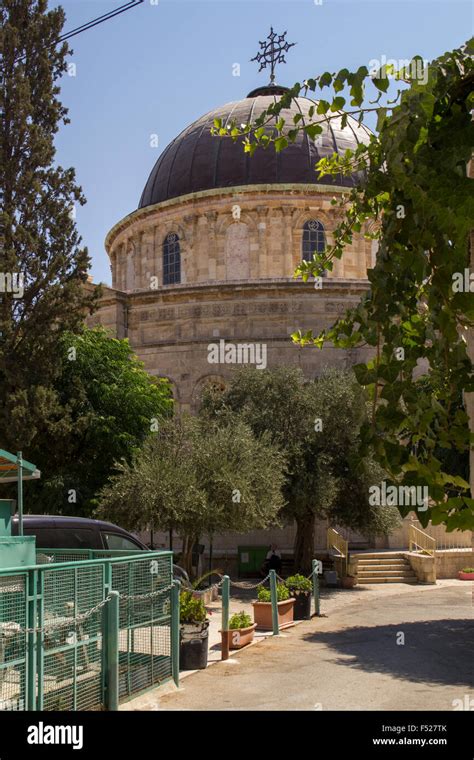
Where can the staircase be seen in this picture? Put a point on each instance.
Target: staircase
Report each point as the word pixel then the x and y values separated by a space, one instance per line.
pixel 381 567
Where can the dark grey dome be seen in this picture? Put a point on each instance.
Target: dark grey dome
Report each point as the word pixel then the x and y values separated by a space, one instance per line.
pixel 196 160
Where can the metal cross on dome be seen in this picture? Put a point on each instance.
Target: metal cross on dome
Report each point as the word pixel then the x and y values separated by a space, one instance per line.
pixel 272 52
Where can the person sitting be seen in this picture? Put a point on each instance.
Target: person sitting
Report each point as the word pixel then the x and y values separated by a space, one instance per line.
pixel 273 559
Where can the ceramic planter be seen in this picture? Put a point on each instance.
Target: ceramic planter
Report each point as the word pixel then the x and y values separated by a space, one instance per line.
pixel 238 637
pixel 193 646
pixel 262 614
pixel 465 576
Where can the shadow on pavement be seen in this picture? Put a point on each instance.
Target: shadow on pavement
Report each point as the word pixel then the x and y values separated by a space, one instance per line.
pixel 438 651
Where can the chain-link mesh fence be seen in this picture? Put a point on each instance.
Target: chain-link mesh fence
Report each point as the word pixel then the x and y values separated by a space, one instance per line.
pixel 145 623
pixel 13 651
pixel 53 629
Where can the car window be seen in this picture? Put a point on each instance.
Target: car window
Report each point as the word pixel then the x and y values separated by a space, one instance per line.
pixel 118 541
pixel 74 538
pixel 45 537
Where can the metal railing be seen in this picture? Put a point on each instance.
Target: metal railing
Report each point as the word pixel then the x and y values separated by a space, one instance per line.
pixel 338 548
pixel 273 579
pixel 86 634
pixel 456 539
pixel 420 541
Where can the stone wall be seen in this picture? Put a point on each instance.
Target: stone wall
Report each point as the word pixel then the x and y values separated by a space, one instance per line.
pixel 423 566
pixel 448 563
pixel 252 232
pixel 171 330
pixel 399 538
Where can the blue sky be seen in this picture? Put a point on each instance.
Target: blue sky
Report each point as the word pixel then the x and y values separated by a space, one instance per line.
pixel 156 68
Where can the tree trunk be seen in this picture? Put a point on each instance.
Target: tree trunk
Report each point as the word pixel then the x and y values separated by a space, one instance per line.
pixel 186 560
pixel 469 397
pixel 304 544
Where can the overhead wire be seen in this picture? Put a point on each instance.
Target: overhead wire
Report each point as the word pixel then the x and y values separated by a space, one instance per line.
pixel 93 22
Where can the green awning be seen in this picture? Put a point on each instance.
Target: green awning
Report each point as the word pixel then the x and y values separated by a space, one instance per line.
pixel 9 468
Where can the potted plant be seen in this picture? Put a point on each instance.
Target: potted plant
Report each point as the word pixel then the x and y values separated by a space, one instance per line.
pixel 262 609
pixel 300 588
pixel 241 631
pixel 466 574
pixel 203 591
pixel 194 632
pixel 348 581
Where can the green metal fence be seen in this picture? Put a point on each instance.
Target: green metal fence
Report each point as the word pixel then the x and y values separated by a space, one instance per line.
pixel 55 637
pixel 14 616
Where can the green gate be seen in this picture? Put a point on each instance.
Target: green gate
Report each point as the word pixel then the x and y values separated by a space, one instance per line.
pixel 55 647
pixel 14 594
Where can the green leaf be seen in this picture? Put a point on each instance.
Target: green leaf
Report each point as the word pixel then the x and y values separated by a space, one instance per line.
pixel 338 104
pixel 280 144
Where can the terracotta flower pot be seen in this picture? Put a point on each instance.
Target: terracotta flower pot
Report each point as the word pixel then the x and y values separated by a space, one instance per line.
pixel 262 614
pixel 348 581
pixel 465 576
pixel 238 637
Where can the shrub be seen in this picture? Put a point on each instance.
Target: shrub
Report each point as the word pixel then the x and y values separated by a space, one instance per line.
pixel 240 620
pixel 191 610
pixel 467 570
pixel 265 596
pixel 298 583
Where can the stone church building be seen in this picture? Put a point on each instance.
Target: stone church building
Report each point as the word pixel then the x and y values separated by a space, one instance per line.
pixel 209 255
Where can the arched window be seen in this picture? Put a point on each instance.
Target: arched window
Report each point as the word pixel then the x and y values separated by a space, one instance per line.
pixel 171 259
pixel 314 240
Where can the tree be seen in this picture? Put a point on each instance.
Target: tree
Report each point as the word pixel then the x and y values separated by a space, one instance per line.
pixel 316 423
pixel 107 405
pixel 42 266
pixel 198 478
pixel 419 308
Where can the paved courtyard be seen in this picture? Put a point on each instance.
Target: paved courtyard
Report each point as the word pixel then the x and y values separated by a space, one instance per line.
pixel 395 648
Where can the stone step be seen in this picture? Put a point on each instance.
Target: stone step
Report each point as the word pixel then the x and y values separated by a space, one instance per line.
pixel 371 560
pixel 385 573
pixel 377 563
pixel 383 579
pixel 379 555
pixel 382 568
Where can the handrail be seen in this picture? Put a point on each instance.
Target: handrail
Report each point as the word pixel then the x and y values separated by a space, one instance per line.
pixel 420 540
pixel 453 540
pixel 336 542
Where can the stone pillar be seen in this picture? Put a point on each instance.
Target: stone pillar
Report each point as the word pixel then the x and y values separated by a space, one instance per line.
pixel 113 267
pixel 262 212
pixel 188 261
pixel 130 264
pixel 201 249
pixel 211 218
pixel 157 257
pixel 287 259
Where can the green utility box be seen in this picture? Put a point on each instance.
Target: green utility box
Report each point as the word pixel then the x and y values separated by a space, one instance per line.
pixel 17 551
pixel 250 560
pixel 7 509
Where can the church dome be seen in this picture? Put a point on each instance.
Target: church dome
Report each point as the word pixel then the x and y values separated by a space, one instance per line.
pixel 196 160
